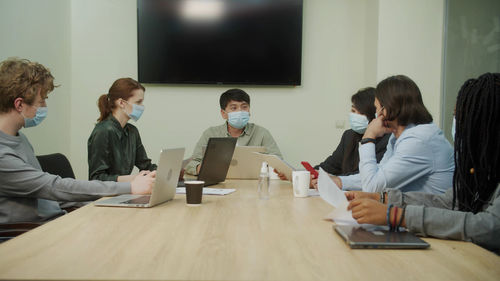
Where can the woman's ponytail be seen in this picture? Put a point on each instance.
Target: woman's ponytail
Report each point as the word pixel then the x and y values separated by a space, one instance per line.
pixel 104 105
pixel 121 89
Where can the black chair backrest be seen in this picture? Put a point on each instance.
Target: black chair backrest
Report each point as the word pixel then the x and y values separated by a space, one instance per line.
pixel 11 230
pixel 56 164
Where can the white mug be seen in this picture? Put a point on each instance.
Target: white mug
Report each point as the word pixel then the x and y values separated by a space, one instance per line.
pixel 300 181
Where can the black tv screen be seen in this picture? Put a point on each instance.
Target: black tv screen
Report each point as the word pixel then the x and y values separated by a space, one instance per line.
pixel 255 42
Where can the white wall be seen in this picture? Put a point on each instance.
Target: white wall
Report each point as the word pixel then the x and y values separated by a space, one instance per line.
pixel 410 42
pixel 345 47
pixel 39 31
pixel 300 118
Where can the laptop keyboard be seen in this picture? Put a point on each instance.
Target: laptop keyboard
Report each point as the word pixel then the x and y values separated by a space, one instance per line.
pixel 139 200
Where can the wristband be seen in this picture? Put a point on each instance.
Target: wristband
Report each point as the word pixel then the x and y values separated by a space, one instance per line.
pixel 388 216
pixel 382 197
pixel 367 140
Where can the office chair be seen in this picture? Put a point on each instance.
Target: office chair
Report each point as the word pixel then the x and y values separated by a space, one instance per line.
pixel 58 164
pixel 11 230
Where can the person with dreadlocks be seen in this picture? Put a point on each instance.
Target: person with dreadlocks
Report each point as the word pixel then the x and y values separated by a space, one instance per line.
pixel 470 211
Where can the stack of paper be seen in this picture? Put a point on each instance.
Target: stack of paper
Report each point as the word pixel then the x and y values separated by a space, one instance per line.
pixel 332 194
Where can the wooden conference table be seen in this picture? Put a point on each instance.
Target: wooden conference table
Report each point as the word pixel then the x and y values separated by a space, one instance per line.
pixel 232 237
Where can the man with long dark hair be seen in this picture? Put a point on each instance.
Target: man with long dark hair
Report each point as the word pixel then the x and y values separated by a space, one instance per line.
pixel 471 210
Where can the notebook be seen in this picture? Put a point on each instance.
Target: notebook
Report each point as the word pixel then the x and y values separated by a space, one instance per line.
pixel 164 187
pixel 277 163
pixel 245 163
pixel 376 237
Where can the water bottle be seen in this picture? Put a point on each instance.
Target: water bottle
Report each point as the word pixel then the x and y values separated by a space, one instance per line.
pixel 264 182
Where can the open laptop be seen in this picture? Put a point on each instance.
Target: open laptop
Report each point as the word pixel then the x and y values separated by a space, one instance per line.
pixel 245 163
pixel 359 237
pixel 164 187
pixel 216 160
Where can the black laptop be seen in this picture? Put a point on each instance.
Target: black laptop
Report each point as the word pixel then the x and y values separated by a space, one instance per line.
pixel 216 160
pixel 371 237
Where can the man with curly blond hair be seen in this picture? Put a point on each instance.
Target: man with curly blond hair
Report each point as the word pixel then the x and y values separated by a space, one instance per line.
pixel 24 86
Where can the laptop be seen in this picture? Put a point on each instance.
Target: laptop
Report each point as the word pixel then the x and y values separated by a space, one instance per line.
pixel 377 237
pixel 216 160
pixel 245 163
pixel 164 187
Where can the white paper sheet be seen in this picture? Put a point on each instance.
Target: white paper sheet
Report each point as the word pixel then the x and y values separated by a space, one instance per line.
pixel 332 194
pixel 208 191
pixel 312 192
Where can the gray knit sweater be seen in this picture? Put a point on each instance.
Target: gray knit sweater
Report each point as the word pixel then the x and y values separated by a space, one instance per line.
pixel 22 183
pixel 432 215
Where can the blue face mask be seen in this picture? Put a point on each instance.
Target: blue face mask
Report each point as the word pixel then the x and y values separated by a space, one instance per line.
pixel 453 128
pixel 238 119
pixel 136 113
pixel 41 113
pixel 358 122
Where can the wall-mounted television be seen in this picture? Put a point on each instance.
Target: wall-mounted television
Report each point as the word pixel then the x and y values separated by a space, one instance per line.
pixel 256 42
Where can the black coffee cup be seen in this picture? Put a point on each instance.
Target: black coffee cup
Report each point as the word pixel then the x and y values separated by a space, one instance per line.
pixel 194 192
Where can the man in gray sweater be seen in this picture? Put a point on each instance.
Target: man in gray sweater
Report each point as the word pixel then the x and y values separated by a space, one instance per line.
pixel 471 210
pixel 24 86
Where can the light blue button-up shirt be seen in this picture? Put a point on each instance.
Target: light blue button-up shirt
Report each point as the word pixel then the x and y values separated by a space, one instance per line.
pixel 421 159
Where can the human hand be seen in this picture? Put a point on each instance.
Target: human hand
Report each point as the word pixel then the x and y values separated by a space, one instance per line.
pixel 313 183
pixel 181 175
pixel 143 184
pixel 351 195
pixel 377 128
pixel 281 175
pixel 367 210
pixel 337 181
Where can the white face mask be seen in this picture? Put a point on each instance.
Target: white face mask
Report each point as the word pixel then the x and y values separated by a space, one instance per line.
pixel 358 122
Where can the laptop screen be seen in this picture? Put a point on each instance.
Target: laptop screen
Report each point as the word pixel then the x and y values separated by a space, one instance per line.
pixel 216 160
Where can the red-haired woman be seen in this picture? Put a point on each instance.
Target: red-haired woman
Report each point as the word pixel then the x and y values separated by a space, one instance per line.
pixel 115 146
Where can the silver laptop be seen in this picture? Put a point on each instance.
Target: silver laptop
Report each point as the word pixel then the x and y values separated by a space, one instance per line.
pixel 245 163
pixel 167 176
pixel 376 237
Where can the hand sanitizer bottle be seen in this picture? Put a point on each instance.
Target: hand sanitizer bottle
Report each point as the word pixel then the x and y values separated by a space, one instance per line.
pixel 264 182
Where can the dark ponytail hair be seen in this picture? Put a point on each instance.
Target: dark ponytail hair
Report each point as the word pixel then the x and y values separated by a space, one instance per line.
pixel 121 89
pixel 477 142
